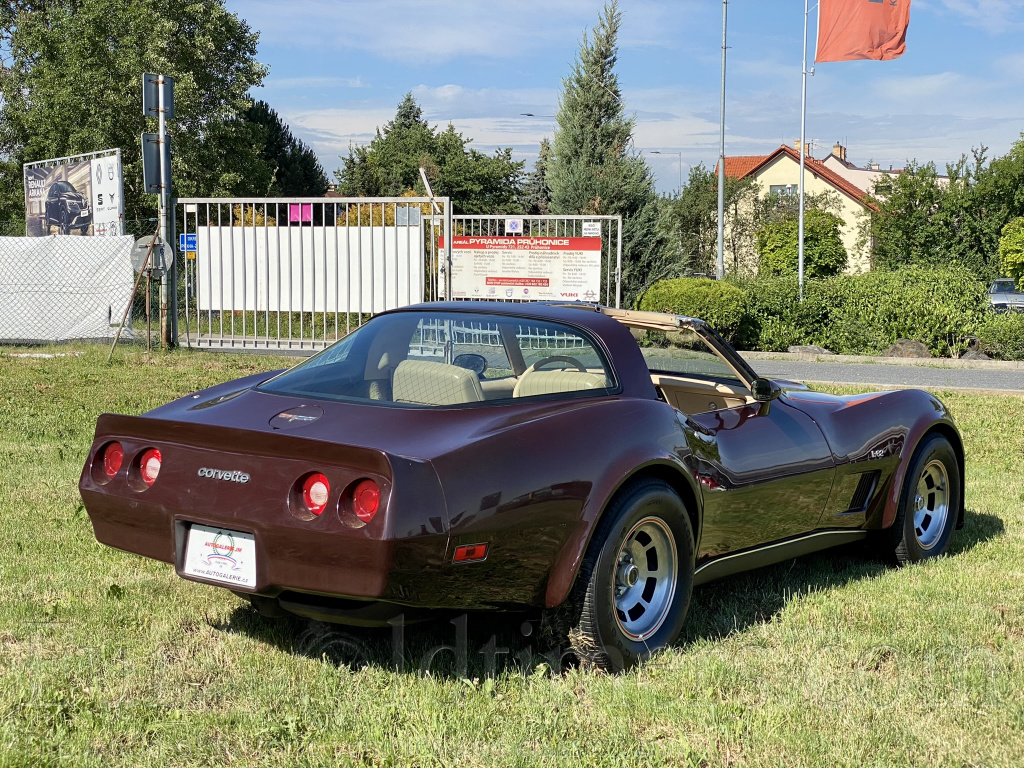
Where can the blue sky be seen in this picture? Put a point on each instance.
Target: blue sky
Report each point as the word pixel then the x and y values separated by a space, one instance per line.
pixel 338 68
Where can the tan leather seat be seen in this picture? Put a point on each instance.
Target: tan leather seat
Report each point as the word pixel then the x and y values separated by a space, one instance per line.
pixel 427 383
pixel 552 382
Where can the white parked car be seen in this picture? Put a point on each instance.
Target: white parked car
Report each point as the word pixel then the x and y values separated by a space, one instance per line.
pixel 1004 295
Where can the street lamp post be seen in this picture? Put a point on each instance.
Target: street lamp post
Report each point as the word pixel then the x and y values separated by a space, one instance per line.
pixel 679 155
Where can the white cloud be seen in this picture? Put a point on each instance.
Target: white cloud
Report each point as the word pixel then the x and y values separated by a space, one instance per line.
pixel 481 64
pixel 412 30
pixel 415 31
pixel 313 82
pixel 995 17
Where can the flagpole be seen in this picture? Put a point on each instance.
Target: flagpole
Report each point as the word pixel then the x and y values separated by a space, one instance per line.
pixel 720 266
pixel 803 152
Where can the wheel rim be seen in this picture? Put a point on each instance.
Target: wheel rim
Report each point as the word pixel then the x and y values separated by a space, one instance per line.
pixel 931 504
pixel 644 581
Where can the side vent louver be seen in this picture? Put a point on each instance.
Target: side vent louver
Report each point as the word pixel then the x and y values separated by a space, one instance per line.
pixel 862 494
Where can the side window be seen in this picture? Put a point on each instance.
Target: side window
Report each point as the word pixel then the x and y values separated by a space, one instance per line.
pixel 558 359
pixel 685 353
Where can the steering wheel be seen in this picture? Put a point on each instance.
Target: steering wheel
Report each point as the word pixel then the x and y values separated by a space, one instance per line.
pixel 557 359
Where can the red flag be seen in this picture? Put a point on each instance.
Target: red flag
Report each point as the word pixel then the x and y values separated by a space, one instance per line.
pixel 862 29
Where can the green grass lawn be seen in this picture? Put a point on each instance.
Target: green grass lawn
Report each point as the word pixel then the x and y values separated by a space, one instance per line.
pixel 107 659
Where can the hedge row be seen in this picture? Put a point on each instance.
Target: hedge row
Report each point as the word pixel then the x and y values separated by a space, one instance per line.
pixel 1002 336
pixel 847 314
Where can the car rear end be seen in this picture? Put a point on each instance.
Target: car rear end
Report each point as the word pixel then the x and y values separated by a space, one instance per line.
pixel 265 513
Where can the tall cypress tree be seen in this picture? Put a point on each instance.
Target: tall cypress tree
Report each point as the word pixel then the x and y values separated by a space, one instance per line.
pixel 595 168
pixel 536 195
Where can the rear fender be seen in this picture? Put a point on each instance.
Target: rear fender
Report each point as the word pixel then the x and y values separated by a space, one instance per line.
pixel 622 472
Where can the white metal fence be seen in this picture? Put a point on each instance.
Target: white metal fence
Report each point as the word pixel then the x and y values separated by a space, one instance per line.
pixel 300 273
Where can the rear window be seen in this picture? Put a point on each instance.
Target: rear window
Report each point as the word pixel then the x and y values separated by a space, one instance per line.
pixel 445 359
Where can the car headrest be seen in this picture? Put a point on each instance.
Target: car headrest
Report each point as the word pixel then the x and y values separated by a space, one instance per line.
pixel 428 383
pixel 551 382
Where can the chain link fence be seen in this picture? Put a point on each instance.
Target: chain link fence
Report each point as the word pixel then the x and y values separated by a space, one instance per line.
pixel 62 288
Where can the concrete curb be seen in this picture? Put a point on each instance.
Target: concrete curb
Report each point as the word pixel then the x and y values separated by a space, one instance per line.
pixel 930 362
pixel 928 387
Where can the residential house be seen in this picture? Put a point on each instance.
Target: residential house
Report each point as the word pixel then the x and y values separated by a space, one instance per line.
pixel 779 172
pixel 864 178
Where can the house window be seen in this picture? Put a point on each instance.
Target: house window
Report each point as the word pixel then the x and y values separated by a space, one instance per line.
pixel 784 189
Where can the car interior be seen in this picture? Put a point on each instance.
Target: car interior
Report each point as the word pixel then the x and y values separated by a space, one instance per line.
pixel 688 373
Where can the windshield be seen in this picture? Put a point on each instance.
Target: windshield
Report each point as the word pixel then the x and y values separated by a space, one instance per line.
pixel 434 359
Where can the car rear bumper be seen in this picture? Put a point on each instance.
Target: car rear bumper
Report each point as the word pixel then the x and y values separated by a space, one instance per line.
pixel 291 556
pixel 393 557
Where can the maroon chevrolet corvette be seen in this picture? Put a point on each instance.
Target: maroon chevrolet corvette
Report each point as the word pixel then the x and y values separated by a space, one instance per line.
pixel 592 463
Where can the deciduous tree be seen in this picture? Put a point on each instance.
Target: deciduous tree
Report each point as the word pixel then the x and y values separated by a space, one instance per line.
pixel 389 165
pixel 824 253
pixel 690 221
pixel 536 194
pixel 1011 250
pixel 71 82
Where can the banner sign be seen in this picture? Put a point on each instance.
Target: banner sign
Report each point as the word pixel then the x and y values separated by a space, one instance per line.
pixel 74 198
pixel 526 268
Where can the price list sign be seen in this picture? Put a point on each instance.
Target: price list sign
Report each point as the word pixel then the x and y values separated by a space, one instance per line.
pixel 526 268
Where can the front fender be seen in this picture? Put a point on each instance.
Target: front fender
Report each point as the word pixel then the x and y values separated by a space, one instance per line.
pixel 932 418
pixel 872 429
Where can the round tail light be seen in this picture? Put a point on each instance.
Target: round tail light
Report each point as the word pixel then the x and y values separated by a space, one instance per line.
pixel 113 457
pixel 315 492
pixel 149 465
pixel 366 500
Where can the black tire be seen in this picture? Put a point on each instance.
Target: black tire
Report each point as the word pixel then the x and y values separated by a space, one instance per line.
pixel 65 223
pixel 599 636
pixel 929 506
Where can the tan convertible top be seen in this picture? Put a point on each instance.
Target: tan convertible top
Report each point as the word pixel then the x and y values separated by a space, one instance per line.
pixel 652 321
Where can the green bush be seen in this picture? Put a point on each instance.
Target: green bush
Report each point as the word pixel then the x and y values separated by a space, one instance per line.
pixel 824 253
pixel 721 304
pixel 864 314
pixel 1002 335
pixel 1011 250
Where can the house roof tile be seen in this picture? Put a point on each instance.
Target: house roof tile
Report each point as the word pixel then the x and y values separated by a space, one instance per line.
pixel 745 165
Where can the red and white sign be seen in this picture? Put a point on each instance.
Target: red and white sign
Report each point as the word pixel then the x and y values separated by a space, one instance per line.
pixel 526 268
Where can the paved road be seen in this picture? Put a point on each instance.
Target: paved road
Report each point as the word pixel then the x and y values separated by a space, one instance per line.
pixel 897 375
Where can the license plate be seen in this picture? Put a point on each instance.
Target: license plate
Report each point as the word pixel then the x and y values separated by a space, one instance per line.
pixel 221 555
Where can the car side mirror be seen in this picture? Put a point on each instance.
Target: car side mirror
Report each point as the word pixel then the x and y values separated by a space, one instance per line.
pixel 764 391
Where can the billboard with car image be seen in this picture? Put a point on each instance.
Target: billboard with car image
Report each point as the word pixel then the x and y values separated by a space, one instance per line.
pixel 80 195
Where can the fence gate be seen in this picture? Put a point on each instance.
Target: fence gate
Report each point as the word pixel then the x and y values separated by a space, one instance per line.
pixel 526 258
pixel 300 273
